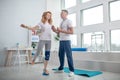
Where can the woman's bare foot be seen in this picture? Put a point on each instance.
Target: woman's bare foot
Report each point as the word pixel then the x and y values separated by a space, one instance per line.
pixel 32 63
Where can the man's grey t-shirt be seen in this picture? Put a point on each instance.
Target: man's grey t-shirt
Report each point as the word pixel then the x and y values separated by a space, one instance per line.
pixel 65 25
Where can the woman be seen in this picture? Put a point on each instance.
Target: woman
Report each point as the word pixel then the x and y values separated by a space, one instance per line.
pixel 45 38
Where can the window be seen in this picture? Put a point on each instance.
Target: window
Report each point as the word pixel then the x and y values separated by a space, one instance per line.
pixel 85 1
pixel 93 41
pixel 70 3
pixel 72 17
pixel 86 40
pixel 93 15
pixel 115 40
pixel 115 10
pixel 73 40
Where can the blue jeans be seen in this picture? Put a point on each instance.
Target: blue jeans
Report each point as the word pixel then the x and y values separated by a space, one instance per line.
pixel 65 47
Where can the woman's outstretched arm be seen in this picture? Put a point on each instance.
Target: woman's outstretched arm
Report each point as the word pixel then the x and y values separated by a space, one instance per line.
pixel 30 28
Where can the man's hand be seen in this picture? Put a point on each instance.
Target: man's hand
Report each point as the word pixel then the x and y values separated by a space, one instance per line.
pixel 59 29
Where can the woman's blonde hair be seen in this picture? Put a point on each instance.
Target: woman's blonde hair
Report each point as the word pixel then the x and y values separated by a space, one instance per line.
pixel 44 17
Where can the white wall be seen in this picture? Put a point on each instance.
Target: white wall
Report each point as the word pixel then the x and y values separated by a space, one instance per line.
pixel 12 14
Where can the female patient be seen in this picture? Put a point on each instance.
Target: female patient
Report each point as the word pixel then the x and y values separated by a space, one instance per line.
pixel 45 38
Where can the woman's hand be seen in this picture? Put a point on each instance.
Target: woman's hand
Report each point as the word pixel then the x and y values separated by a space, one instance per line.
pixel 23 25
pixel 53 28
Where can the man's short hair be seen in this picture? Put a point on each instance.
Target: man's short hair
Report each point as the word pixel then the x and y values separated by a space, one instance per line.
pixel 65 11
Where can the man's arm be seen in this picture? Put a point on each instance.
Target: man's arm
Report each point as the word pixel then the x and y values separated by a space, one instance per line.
pixel 69 31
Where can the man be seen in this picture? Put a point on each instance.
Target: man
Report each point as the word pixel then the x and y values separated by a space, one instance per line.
pixel 65 30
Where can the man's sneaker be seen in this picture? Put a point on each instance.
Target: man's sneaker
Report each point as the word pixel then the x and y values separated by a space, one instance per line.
pixel 71 74
pixel 59 71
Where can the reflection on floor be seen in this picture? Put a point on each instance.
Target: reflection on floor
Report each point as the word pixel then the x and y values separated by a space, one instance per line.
pixel 34 72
